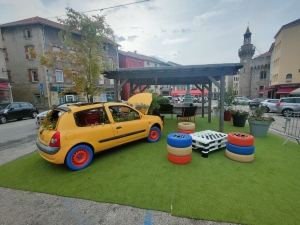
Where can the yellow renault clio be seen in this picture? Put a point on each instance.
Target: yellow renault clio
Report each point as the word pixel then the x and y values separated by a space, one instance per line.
pixel 71 135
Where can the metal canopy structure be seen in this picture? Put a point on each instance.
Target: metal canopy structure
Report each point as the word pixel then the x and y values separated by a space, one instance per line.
pixel 202 76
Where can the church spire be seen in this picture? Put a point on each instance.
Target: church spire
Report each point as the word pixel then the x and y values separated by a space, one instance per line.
pixel 247 37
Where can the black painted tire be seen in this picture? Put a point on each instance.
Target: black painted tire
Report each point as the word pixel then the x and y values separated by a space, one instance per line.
pixel 241 150
pixel 179 140
pixel 239 158
pixel 179 151
pixel 186 126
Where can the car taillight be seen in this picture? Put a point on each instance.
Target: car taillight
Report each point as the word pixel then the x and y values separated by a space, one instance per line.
pixel 55 140
pixel 278 103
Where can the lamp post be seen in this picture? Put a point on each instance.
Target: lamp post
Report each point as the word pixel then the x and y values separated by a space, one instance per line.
pixel 188 98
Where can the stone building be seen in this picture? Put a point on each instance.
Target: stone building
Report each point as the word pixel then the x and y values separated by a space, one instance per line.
pixel 31 81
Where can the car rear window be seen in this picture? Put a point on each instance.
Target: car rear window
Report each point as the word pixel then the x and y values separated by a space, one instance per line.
pixel 288 100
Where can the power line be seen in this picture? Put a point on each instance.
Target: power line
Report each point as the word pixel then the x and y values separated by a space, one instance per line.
pixel 104 8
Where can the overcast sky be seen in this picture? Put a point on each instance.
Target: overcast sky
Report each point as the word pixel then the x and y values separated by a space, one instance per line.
pixel 188 32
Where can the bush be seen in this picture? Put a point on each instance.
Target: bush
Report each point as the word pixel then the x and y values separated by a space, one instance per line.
pixel 162 100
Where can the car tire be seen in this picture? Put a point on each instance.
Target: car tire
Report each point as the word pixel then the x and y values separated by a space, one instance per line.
pixel 79 157
pixel 179 140
pixel 179 159
pixel 241 150
pixel 3 119
pixel 179 151
pixel 186 126
pixel 240 139
pixel 287 112
pixel 34 114
pixel 267 109
pixel 239 158
pixel 154 134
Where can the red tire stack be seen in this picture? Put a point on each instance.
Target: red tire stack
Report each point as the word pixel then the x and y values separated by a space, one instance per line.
pixel 179 148
pixel 240 147
pixel 186 127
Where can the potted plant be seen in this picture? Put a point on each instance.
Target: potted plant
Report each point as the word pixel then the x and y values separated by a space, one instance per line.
pixel 239 116
pixel 229 98
pixel 258 123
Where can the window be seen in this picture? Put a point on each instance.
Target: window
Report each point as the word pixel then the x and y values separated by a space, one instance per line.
pixel 123 114
pixel 59 76
pixel 111 62
pixel 37 99
pixel 139 64
pixel 34 77
pixel 29 48
pixel 148 63
pixel 24 105
pixel 155 64
pixel 289 76
pixel 14 106
pixel 27 33
pixel 261 88
pixel 263 75
pixel 132 62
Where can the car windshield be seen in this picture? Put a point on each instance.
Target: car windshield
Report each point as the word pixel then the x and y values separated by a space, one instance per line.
pixel 3 106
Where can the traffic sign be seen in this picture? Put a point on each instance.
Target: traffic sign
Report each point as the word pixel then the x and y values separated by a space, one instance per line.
pixel 42 92
pixel 42 89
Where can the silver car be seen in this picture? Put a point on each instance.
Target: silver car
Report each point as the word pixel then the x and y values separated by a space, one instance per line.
pixel 286 106
pixel 269 104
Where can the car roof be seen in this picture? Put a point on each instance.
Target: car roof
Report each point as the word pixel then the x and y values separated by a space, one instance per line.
pixel 81 107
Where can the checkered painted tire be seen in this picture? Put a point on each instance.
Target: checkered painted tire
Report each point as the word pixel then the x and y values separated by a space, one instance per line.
pixel 186 131
pixel 186 126
pixel 179 159
pixel 179 151
pixel 179 140
pixel 239 158
pixel 242 150
pixel 240 139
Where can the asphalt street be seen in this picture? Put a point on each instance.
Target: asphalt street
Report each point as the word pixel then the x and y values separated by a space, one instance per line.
pixel 23 207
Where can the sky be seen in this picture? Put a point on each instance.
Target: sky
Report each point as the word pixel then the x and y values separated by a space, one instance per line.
pixel 187 32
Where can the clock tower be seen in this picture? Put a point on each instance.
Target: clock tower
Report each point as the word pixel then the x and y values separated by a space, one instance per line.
pixel 246 53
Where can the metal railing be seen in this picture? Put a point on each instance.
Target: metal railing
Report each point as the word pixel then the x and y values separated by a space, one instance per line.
pixel 292 127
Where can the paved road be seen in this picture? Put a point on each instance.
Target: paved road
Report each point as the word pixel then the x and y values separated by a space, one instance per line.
pixel 22 207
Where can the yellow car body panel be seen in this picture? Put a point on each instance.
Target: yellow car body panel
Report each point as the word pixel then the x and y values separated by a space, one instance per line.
pixel 101 135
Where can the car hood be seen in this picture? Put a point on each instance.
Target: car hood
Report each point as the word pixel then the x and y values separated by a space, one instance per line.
pixel 142 98
pixel 43 113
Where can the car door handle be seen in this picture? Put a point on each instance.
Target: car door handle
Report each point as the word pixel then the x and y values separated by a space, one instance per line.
pixel 119 127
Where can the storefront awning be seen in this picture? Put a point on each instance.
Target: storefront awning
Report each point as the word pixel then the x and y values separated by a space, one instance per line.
pixel 264 91
pixel 295 92
pixel 285 90
pixel 192 92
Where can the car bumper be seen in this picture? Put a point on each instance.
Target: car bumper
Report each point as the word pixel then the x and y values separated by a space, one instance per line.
pixel 51 154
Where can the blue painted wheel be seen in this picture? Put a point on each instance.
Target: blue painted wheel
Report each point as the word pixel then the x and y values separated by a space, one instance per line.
pixel 242 150
pixel 179 140
pixel 79 157
pixel 154 134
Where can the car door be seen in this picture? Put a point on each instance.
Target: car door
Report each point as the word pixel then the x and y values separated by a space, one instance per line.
pixel 25 110
pixel 297 105
pixel 128 125
pixel 14 111
pixel 272 104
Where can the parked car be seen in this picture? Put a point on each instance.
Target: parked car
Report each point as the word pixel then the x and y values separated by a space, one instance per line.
pixel 241 100
pixel 269 104
pixel 286 106
pixel 200 100
pixel 17 110
pixel 74 133
pixel 256 102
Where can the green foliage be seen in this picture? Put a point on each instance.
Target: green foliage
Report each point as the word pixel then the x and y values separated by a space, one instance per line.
pixel 154 103
pixel 230 94
pixel 82 64
pixel 257 113
pixel 237 109
pixel 163 100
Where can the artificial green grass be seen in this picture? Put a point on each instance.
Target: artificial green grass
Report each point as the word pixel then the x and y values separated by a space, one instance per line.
pixel 139 174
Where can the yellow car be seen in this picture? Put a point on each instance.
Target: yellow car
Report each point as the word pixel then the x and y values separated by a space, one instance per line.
pixel 72 135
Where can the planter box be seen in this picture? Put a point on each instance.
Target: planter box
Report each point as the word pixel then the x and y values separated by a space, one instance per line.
pixel 259 128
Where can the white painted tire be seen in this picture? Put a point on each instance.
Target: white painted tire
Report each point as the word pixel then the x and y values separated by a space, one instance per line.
pixel 239 158
pixel 186 126
pixel 179 151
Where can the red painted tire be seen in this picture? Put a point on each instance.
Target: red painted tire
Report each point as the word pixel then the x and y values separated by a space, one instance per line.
pixel 179 151
pixel 186 126
pixel 240 139
pixel 239 158
pixel 186 131
pixel 179 159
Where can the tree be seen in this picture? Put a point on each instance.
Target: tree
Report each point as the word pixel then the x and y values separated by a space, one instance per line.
pixel 85 37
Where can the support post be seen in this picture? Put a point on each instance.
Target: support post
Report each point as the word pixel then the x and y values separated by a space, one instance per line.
pixel 222 99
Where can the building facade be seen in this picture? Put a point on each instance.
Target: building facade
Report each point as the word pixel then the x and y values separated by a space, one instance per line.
pixel 32 82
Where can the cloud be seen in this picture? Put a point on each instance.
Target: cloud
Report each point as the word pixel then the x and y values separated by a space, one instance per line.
pixel 132 37
pixel 120 38
pixel 200 19
pixel 163 30
pixel 173 54
pixel 173 41
pixel 181 31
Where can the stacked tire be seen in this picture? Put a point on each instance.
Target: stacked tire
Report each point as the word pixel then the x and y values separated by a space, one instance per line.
pixel 179 146
pixel 186 127
pixel 240 147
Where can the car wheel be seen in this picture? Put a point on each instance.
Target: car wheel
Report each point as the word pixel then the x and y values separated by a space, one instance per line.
pixel 34 114
pixel 154 134
pixel 287 112
pixel 2 119
pixel 79 157
pixel 267 109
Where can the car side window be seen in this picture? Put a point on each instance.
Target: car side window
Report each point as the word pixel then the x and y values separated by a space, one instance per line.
pixel 123 113
pixel 273 101
pixel 288 100
pixel 297 100
pixel 94 116
pixel 24 105
pixel 14 106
